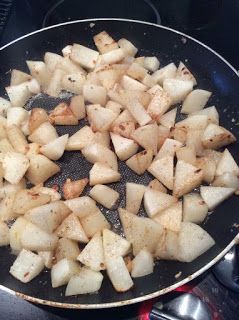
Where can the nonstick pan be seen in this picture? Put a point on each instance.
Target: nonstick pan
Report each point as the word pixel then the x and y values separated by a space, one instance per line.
pixel 212 73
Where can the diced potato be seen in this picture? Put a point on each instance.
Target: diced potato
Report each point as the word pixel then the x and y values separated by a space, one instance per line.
pixel 151 63
pixel 195 101
pixel 43 134
pixel 192 242
pixel 168 119
pixel 156 201
pixel 118 273
pixel 86 281
pixel 36 118
pixel 34 86
pixel 194 122
pixel 159 104
pixel 187 154
pixel 143 233
pixel 114 245
pixel 187 177
pixel 102 174
pixel 194 208
pixel 134 196
pixel 5 146
pixel 104 195
pixel 132 84
pixel 27 266
pixel 215 137
pixel 156 185
pixel 114 106
pixel 39 71
pixel 183 73
pixel 4 106
pixel 81 206
pixel 55 83
pixel 140 162
pixel 102 138
pixel 73 189
pixel 163 170
pixel 227 164
pixel 163 134
pixel 41 169
pixel 6 208
pixel 4 234
pixel 86 57
pixel 96 152
pixel 213 196
pixel 62 272
pixel 63 115
pixel 124 116
pixel 138 112
pixel 155 90
pixel 148 81
pixel 94 222
pixel 51 60
pixel 67 248
pixel 17 139
pixel 8 189
pixel 128 47
pixel 167 72
pixel 211 113
pixel 18 76
pixel 16 116
pixel 136 71
pixel 177 89
pixel 124 148
pixel 15 234
pixel 92 255
pixel 73 82
pixel 125 97
pixel 179 134
pixel 71 228
pixel 54 195
pixel 113 56
pixel 208 167
pixel 227 180
pixel 47 257
pixel 94 94
pixel 49 216
pixel 18 94
pixel 100 118
pixel 15 166
pixel 168 149
pixel 167 247
pixel 35 239
pixel 54 150
pixel 27 199
pixel 66 51
pixel 124 129
pixel 171 217
pixel 143 136
pixel 194 140
pixel 104 42
pixel 77 106
pixel 142 264
pixel 80 139
pixel 68 66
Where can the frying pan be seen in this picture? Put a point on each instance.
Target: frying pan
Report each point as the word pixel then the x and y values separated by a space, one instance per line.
pixel 212 73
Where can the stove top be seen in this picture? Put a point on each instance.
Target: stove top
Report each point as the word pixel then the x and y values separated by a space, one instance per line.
pixel 215 23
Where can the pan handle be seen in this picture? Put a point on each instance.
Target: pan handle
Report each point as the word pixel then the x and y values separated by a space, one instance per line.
pixel 157 314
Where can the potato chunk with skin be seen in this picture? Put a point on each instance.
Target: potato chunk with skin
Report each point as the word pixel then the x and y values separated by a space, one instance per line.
pixel 104 195
pixel 27 266
pixel 86 281
pixel 62 271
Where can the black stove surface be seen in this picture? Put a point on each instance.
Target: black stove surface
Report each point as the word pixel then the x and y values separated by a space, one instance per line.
pixel 215 23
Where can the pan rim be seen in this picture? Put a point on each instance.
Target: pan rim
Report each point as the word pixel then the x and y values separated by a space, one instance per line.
pixel 158 292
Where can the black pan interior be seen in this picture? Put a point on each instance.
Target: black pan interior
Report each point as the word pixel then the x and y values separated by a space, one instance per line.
pixel 212 74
